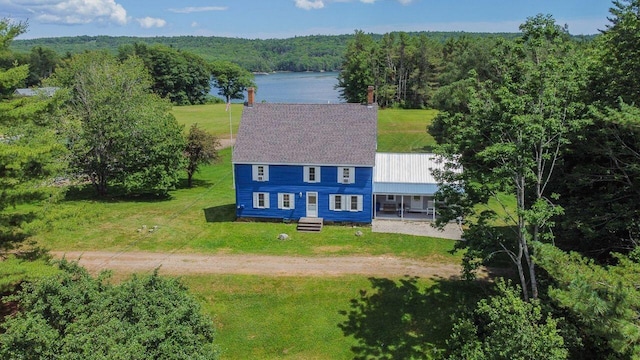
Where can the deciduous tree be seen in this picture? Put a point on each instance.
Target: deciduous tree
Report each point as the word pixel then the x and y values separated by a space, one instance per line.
pixel 506 327
pixel 509 138
pixel 120 133
pixel 231 80
pixel 180 76
pixel 202 148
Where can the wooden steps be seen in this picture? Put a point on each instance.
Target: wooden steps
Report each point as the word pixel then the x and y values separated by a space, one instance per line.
pixel 308 224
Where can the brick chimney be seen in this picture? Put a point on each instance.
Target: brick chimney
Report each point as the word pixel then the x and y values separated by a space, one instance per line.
pixel 251 96
pixel 370 95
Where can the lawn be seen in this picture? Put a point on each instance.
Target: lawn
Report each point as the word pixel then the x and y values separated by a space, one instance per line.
pixel 258 317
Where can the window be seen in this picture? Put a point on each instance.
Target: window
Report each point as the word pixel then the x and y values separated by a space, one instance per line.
pixel 345 202
pixel 260 172
pixel 312 174
pixel 261 200
pixel 337 202
pixel 391 198
pixel 286 201
pixel 354 203
pixel 346 175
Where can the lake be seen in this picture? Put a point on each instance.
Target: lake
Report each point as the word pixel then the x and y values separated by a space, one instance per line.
pixel 296 87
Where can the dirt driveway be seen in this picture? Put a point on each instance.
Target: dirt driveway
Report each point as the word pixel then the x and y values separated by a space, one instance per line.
pixel 189 264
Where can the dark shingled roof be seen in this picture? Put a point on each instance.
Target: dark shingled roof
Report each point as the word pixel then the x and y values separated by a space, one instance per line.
pixel 316 134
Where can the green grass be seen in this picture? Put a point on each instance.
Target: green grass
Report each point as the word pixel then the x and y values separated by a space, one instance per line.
pixel 297 317
pixel 257 317
pixel 212 118
pixel 398 130
pixel 201 219
pixel 405 130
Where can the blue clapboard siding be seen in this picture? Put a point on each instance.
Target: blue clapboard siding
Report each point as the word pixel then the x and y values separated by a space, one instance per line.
pixel 290 179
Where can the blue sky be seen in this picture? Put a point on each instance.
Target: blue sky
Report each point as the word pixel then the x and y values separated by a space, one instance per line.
pixel 287 18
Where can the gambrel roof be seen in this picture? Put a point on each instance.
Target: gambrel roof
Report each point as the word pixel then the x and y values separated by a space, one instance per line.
pixel 307 134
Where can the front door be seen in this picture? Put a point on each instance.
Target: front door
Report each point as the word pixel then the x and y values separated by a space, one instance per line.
pixel 416 202
pixel 312 204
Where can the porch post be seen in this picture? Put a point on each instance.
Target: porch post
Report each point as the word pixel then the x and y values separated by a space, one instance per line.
pixel 401 207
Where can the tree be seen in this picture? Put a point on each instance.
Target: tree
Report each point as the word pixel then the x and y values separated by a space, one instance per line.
pixel 74 316
pixel 119 133
pixel 356 75
pixel 42 64
pixel 231 80
pixel 509 138
pixel 30 153
pixel 605 301
pixel 201 148
pixel 178 75
pixel 506 327
pixel 602 173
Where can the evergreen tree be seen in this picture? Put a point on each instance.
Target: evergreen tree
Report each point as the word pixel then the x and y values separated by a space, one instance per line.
pixel 75 316
pixel 30 153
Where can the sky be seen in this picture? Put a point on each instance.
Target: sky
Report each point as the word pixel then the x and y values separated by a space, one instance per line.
pixel 264 19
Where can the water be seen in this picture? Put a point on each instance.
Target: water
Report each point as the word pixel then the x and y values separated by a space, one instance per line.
pixel 296 88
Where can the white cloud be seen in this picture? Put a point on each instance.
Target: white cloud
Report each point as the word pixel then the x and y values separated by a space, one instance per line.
pixel 149 22
pixel 191 9
pixel 70 11
pixel 195 24
pixel 309 4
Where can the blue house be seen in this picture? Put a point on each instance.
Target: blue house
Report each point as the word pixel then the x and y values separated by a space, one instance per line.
pixel 294 161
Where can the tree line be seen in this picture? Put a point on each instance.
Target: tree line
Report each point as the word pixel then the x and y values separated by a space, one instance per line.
pixel 300 53
pixel 546 131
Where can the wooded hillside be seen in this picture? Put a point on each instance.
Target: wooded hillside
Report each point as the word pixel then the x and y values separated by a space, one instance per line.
pixel 302 53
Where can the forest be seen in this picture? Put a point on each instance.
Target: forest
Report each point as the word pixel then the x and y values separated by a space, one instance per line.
pixel 303 53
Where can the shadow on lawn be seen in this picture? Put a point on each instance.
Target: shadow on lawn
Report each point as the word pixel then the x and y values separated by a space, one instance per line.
pixel 399 320
pixel 115 195
pixel 222 213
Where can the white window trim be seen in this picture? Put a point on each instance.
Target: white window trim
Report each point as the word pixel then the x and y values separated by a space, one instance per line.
pixel 332 202
pixel 352 175
pixel 358 202
pixel 256 201
pixel 254 173
pixel 292 201
pixel 345 202
pixel 306 174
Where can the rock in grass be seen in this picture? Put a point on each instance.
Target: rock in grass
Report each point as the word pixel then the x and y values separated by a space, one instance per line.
pixel 283 237
pixel 359 233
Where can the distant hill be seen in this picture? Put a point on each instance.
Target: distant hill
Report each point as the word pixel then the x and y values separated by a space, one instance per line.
pixel 303 53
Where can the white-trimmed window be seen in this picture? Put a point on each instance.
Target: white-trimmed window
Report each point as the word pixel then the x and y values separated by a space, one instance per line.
pixel 345 202
pixel 335 202
pixel 260 172
pixel 391 198
pixel 261 200
pixel 312 174
pixel 286 201
pixel 346 175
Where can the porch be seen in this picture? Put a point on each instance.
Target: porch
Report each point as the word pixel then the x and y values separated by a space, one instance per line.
pixel 417 207
pixel 404 186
